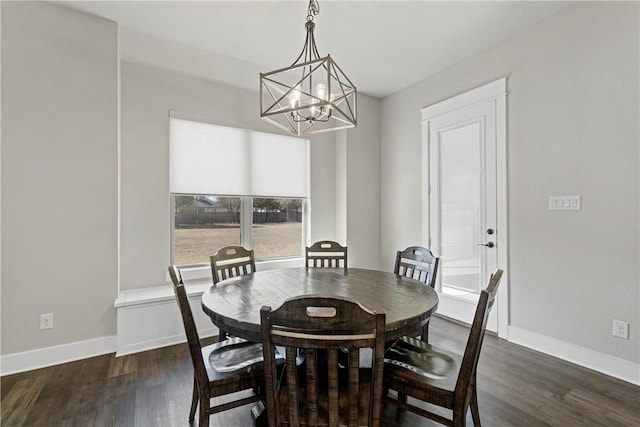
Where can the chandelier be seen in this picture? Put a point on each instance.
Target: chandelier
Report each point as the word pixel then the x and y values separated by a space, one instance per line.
pixel 312 95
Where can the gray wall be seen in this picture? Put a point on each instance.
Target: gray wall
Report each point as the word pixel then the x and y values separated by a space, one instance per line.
pixel 362 184
pixel 59 175
pixel 358 186
pixel 572 119
pixel 148 94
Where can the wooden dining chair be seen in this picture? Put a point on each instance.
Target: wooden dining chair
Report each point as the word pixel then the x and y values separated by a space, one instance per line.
pixel 330 387
pixel 219 369
pixel 231 261
pixel 419 264
pixel 438 376
pixel 326 253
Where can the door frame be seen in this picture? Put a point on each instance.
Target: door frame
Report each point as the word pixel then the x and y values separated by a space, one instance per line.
pixel 495 92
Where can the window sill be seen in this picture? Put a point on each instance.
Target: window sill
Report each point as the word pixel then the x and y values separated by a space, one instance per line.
pixel 142 296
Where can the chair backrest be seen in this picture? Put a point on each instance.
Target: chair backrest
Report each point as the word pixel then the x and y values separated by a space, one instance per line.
pixel 232 261
pixel 326 253
pixel 418 263
pixel 329 332
pixel 476 335
pixel 193 340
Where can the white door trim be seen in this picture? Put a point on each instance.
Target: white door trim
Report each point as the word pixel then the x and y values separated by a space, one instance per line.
pixel 496 92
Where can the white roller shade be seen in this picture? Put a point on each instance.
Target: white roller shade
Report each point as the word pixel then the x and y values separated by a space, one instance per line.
pixel 212 159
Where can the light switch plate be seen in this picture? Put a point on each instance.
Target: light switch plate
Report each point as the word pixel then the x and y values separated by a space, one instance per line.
pixel 564 203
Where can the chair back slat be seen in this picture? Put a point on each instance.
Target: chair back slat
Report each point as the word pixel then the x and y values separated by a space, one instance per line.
pixel 332 379
pixel 312 386
pixel 354 387
pixel 292 387
pixel 329 387
pixel 326 254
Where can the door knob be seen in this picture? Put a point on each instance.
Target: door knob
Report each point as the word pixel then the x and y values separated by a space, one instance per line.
pixel 489 245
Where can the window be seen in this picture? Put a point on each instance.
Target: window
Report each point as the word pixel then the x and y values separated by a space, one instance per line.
pixel 202 224
pixel 236 187
pixel 198 232
pixel 277 230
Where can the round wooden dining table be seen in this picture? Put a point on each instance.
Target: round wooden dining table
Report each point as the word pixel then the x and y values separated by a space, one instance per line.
pixel 234 304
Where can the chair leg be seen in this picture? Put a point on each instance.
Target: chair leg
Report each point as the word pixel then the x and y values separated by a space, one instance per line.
pixel 204 412
pixel 222 335
pixel 194 399
pixel 425 333
pixel 459 418
pixel 475 413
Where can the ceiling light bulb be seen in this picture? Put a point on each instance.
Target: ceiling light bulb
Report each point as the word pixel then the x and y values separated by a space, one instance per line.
pixel 294 97
pixel 321 91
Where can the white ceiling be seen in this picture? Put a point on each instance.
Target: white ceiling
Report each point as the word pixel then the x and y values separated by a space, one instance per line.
pixel 383 46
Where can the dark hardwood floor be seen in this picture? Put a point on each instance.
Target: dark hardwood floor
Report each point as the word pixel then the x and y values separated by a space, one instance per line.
pixel 517 387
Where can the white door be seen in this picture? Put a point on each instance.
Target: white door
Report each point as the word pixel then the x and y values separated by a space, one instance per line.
pixel 463 203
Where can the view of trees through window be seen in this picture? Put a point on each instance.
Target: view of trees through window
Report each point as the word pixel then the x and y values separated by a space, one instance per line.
pixel 204 223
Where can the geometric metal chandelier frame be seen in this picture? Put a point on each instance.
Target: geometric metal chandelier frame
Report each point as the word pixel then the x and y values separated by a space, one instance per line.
pixel 313 95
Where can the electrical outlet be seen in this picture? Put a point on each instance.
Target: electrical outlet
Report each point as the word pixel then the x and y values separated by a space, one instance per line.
pixel 621 329
pixel 46 321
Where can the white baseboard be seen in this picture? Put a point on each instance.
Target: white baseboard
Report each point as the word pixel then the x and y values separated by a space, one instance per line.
pixel 49 356
pixel 600 362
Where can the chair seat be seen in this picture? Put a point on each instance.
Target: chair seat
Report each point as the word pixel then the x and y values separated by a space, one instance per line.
pixel 413 364
pixel 235 357
pixel 233 354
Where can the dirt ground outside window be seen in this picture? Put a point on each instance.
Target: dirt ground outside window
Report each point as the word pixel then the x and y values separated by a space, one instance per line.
pixel 196 245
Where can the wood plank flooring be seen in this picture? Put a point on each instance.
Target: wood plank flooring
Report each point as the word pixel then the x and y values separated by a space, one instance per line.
pixel 517 387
